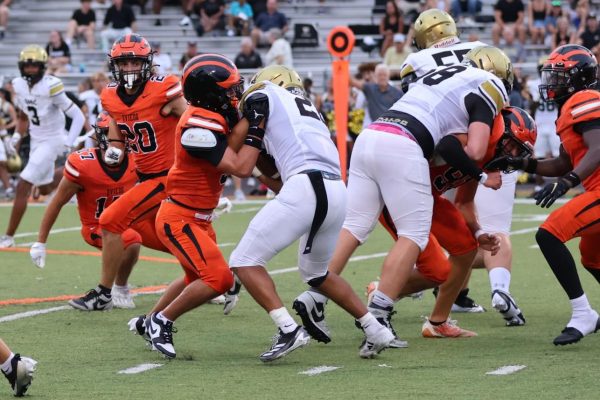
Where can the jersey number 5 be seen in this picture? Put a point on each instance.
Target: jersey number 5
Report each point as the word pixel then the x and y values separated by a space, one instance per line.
pixel 308 109
pixel 142 138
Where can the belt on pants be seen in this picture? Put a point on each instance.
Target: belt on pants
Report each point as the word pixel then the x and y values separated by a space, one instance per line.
pixel 316 180
pixel 201 214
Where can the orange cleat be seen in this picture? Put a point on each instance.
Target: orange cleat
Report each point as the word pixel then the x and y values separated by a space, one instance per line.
pixel 448 329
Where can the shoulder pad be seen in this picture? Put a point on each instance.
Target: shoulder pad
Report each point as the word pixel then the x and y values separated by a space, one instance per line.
pixel 55 85
pixel 494 93
pixel 198 139
pixel 166 86
pixel 71 169
pixel 583 106
pixel 197 121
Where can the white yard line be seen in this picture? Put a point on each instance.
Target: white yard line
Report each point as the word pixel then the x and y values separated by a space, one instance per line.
pixel 506 370
pixel 32 313
pixel 139 368
pixel 318 370
pixel 53 231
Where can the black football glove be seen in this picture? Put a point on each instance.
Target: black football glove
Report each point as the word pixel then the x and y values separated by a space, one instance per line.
pixel 505 164
pixel 552 191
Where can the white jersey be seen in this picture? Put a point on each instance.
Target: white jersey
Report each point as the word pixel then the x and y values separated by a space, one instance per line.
pixel 44 104
pixel 425 60
pixel 295 134
pixel 94 106
pixel 546 113
pixel 439 99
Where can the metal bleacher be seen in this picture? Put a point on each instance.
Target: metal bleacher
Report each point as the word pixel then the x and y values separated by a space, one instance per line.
pixel 32 20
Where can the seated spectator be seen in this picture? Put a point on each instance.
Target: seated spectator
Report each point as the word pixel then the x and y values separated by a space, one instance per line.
pixel 59 54
pixel 509 16
pixel 537 10
pixel 470 7
pixel 564 34
pixel 582 8
pixel 162 61
pixel 82 24
pixel 247 58
pixel 380 93
pixel 258 7
pixel 391 23
pixel 280 52
pixel 590 37
pixel 186 7
pixel 239 15
pixel 118 21
pixel 395 55
pixel 554 14
pixel 4 12
pixel 212 16
pixel 267 20
pixel 191 52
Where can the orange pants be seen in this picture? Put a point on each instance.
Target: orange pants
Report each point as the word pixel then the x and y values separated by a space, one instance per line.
pixel 139 203
pixel 580 217
pixel 92 234
pixel 449 231
pixel 194 243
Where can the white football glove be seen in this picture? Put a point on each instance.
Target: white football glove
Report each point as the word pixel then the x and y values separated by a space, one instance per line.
pixel 11 143
pixel 112 155
pixel 223 207
pixel 38 254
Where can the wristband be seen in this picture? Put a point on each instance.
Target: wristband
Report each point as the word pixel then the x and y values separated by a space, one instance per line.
pixel 478 233
pixel 572 178
pixel 531 165
pixel 483 177
pixel 256 172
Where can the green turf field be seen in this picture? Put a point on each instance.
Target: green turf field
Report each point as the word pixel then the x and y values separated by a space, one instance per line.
pixel 80 354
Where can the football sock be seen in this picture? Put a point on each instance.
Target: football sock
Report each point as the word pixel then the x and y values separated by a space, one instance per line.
pixel 561 262
pixel 162 317
pixel 318 296
pixel 283 320
pixel 381 300
pixel 595 273
pixel 7 365
pixel 103 290
pixel 584 318
pixel 500 279
pixel 370 324
pixel 121 288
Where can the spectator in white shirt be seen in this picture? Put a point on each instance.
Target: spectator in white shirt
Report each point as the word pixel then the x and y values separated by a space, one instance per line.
pixel 280 52
pixel 162 61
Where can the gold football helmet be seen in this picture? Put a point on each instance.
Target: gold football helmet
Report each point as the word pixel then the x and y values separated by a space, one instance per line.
pixel 494 60
pixel 33 55
pixel 278 74
pixel 14 164
pixel 433 26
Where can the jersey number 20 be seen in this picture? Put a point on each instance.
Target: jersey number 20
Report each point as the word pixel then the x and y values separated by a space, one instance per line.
pixel 141 138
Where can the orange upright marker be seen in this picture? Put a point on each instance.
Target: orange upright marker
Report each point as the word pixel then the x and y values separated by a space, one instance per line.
pixel 340 43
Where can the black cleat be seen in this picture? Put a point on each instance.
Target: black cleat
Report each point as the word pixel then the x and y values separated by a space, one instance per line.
pixel 312 314
pixel 284 343
pixel 571 335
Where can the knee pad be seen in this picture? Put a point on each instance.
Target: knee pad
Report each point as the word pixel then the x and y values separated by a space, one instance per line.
pixel 316 282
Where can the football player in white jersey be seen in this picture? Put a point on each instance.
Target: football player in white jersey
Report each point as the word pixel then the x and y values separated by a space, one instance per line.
pixel 310 207
pixel 445 101
pixel 437 38
pixel 42 105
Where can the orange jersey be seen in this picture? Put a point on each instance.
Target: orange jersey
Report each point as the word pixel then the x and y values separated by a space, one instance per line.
pixel 101 185
pixel 150 135
pixel 583 106
pixel 193 181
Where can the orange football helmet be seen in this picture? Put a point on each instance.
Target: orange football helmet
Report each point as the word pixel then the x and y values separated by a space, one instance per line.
pixel 127 48
pixel 518 134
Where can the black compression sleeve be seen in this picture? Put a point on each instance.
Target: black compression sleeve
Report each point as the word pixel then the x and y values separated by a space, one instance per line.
pixel 451 150
pixel 479 110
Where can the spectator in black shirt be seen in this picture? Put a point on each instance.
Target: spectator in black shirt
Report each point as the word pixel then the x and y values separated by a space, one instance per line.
pixel 590 37
pixel 82 24
pixel 247 58
pixel 212 16
pixel 266 21
pixel 59 54
pixel 121 19
pixel 509 16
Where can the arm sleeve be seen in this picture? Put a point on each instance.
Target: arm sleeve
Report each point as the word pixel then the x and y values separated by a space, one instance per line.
pixel 78 119
pixel 451 150
pixel 479 110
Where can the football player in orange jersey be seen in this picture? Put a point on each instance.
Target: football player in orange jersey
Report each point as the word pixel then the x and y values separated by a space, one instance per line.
pixel 568 78
pixel 212 85
pixel 96 186
pixel 145 109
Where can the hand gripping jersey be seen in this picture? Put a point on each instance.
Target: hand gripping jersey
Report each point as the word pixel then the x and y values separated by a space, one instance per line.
pixel 44 104
pixel 295 134
pixel 582 107
pixel 423 61
pixel 441 100
pixel 150 135
pixel 192 181
pixel 101 185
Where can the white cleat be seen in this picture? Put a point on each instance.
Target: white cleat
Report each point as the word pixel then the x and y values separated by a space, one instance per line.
pixel 21 375
pixel 374 344
pixel 217 300
pixel 506 305
pixel 122 298
pixel 6 242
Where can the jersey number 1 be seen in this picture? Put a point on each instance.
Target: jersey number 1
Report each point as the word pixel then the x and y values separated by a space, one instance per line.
pixel 101 205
